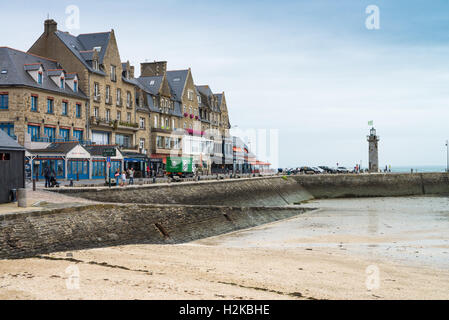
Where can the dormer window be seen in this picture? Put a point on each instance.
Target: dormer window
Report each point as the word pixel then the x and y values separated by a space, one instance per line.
pixel 96 67
pixel 152 83
pixel 39 77
pixel 62 83
pixel 98 49
pixel 75 86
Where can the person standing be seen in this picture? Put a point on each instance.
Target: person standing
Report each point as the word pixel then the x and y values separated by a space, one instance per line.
pixel 131 176
pixel 47 176
pixel 123 178
pixel 117 177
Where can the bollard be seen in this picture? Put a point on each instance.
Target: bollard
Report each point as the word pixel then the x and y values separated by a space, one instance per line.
pixel 22 198
pixel 71 183
pixel 34 184
pixel 77 177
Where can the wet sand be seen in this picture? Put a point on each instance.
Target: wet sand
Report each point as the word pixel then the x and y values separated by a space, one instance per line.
pixel 319 255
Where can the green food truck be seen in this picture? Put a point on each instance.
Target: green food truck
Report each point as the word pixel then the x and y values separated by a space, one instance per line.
pixel 181 167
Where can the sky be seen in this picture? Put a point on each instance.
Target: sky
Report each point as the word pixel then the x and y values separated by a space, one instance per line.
pixel 307 72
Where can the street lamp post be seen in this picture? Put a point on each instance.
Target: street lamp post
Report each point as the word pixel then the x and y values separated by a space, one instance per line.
pixel 447 156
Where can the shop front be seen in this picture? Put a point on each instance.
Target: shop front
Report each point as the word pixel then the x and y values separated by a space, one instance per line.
pixel 64 160
pixel 100 168
pixel 138 162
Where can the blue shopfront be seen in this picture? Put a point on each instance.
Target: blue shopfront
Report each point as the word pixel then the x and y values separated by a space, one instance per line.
pixel 78 169
pixel 65 160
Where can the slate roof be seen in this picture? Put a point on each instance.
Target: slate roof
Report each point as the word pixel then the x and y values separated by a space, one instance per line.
pixel 82 44
pixel 52 73
pixel 57 147
pixel 146 85
pixel 177 81
pixel 8 143
pixel 97 150
pixel 16 63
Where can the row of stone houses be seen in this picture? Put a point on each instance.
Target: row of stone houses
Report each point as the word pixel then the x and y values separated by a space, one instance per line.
pixel 76 88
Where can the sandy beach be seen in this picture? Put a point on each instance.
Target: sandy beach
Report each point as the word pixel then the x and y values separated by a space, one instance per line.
pixel 320 255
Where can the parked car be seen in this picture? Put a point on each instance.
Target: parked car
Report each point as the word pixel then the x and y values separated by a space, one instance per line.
pixel 343 170
pixel 318 170
pixel 307 170
pixel 328 169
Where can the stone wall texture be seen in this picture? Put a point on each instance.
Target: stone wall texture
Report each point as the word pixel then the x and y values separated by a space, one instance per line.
pixel 272 191
pixel 29 234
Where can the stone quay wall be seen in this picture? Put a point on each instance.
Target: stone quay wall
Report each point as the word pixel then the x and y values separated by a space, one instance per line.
pixel 32 233
pixel 272 191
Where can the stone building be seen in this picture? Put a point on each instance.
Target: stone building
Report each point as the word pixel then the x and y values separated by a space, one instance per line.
pixel 165 136
pixel 39 101
pixel 112 115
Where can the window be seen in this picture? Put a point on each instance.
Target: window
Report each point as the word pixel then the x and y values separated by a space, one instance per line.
pixel 8 128
pixel 75 86
pixel 108 94
pixel 152 83
pixel 35 132
pixel 167 142
pixel 50 133
pixel 96 67
pixel 123 140
pixel 119 115
pixel 50 105
pixel 78 135
pixel 34 103
pixel 128 117
pixel 96 90
pixel 173 124
pixel 100 137
pixel 119 97
pixel 159 142
pixel 64 134
pixel 142 123
pixel 167 125
pixel 128 99
pixel 4 101
pixel 113 73
pixel 108 115
pixel 39 77
pixel 4 156
pixel 78 110
pixel 62 83
pixel 155 121
pixel 190 95
pixel 65 108
pixel 142 143
pixel 96 112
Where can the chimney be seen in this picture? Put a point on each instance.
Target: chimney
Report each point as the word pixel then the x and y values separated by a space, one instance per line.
pixel 51 26
pixel 131 71
pixel 151 69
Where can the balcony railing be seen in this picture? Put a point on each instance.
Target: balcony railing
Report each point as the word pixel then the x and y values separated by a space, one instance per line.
pixel 108 100
pixel 129 104
pixel 97 98
pixel 50 140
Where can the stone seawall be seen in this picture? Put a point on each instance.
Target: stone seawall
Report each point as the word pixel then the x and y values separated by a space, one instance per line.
pixel 31 233
pixel 374 185
pixel 272 191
